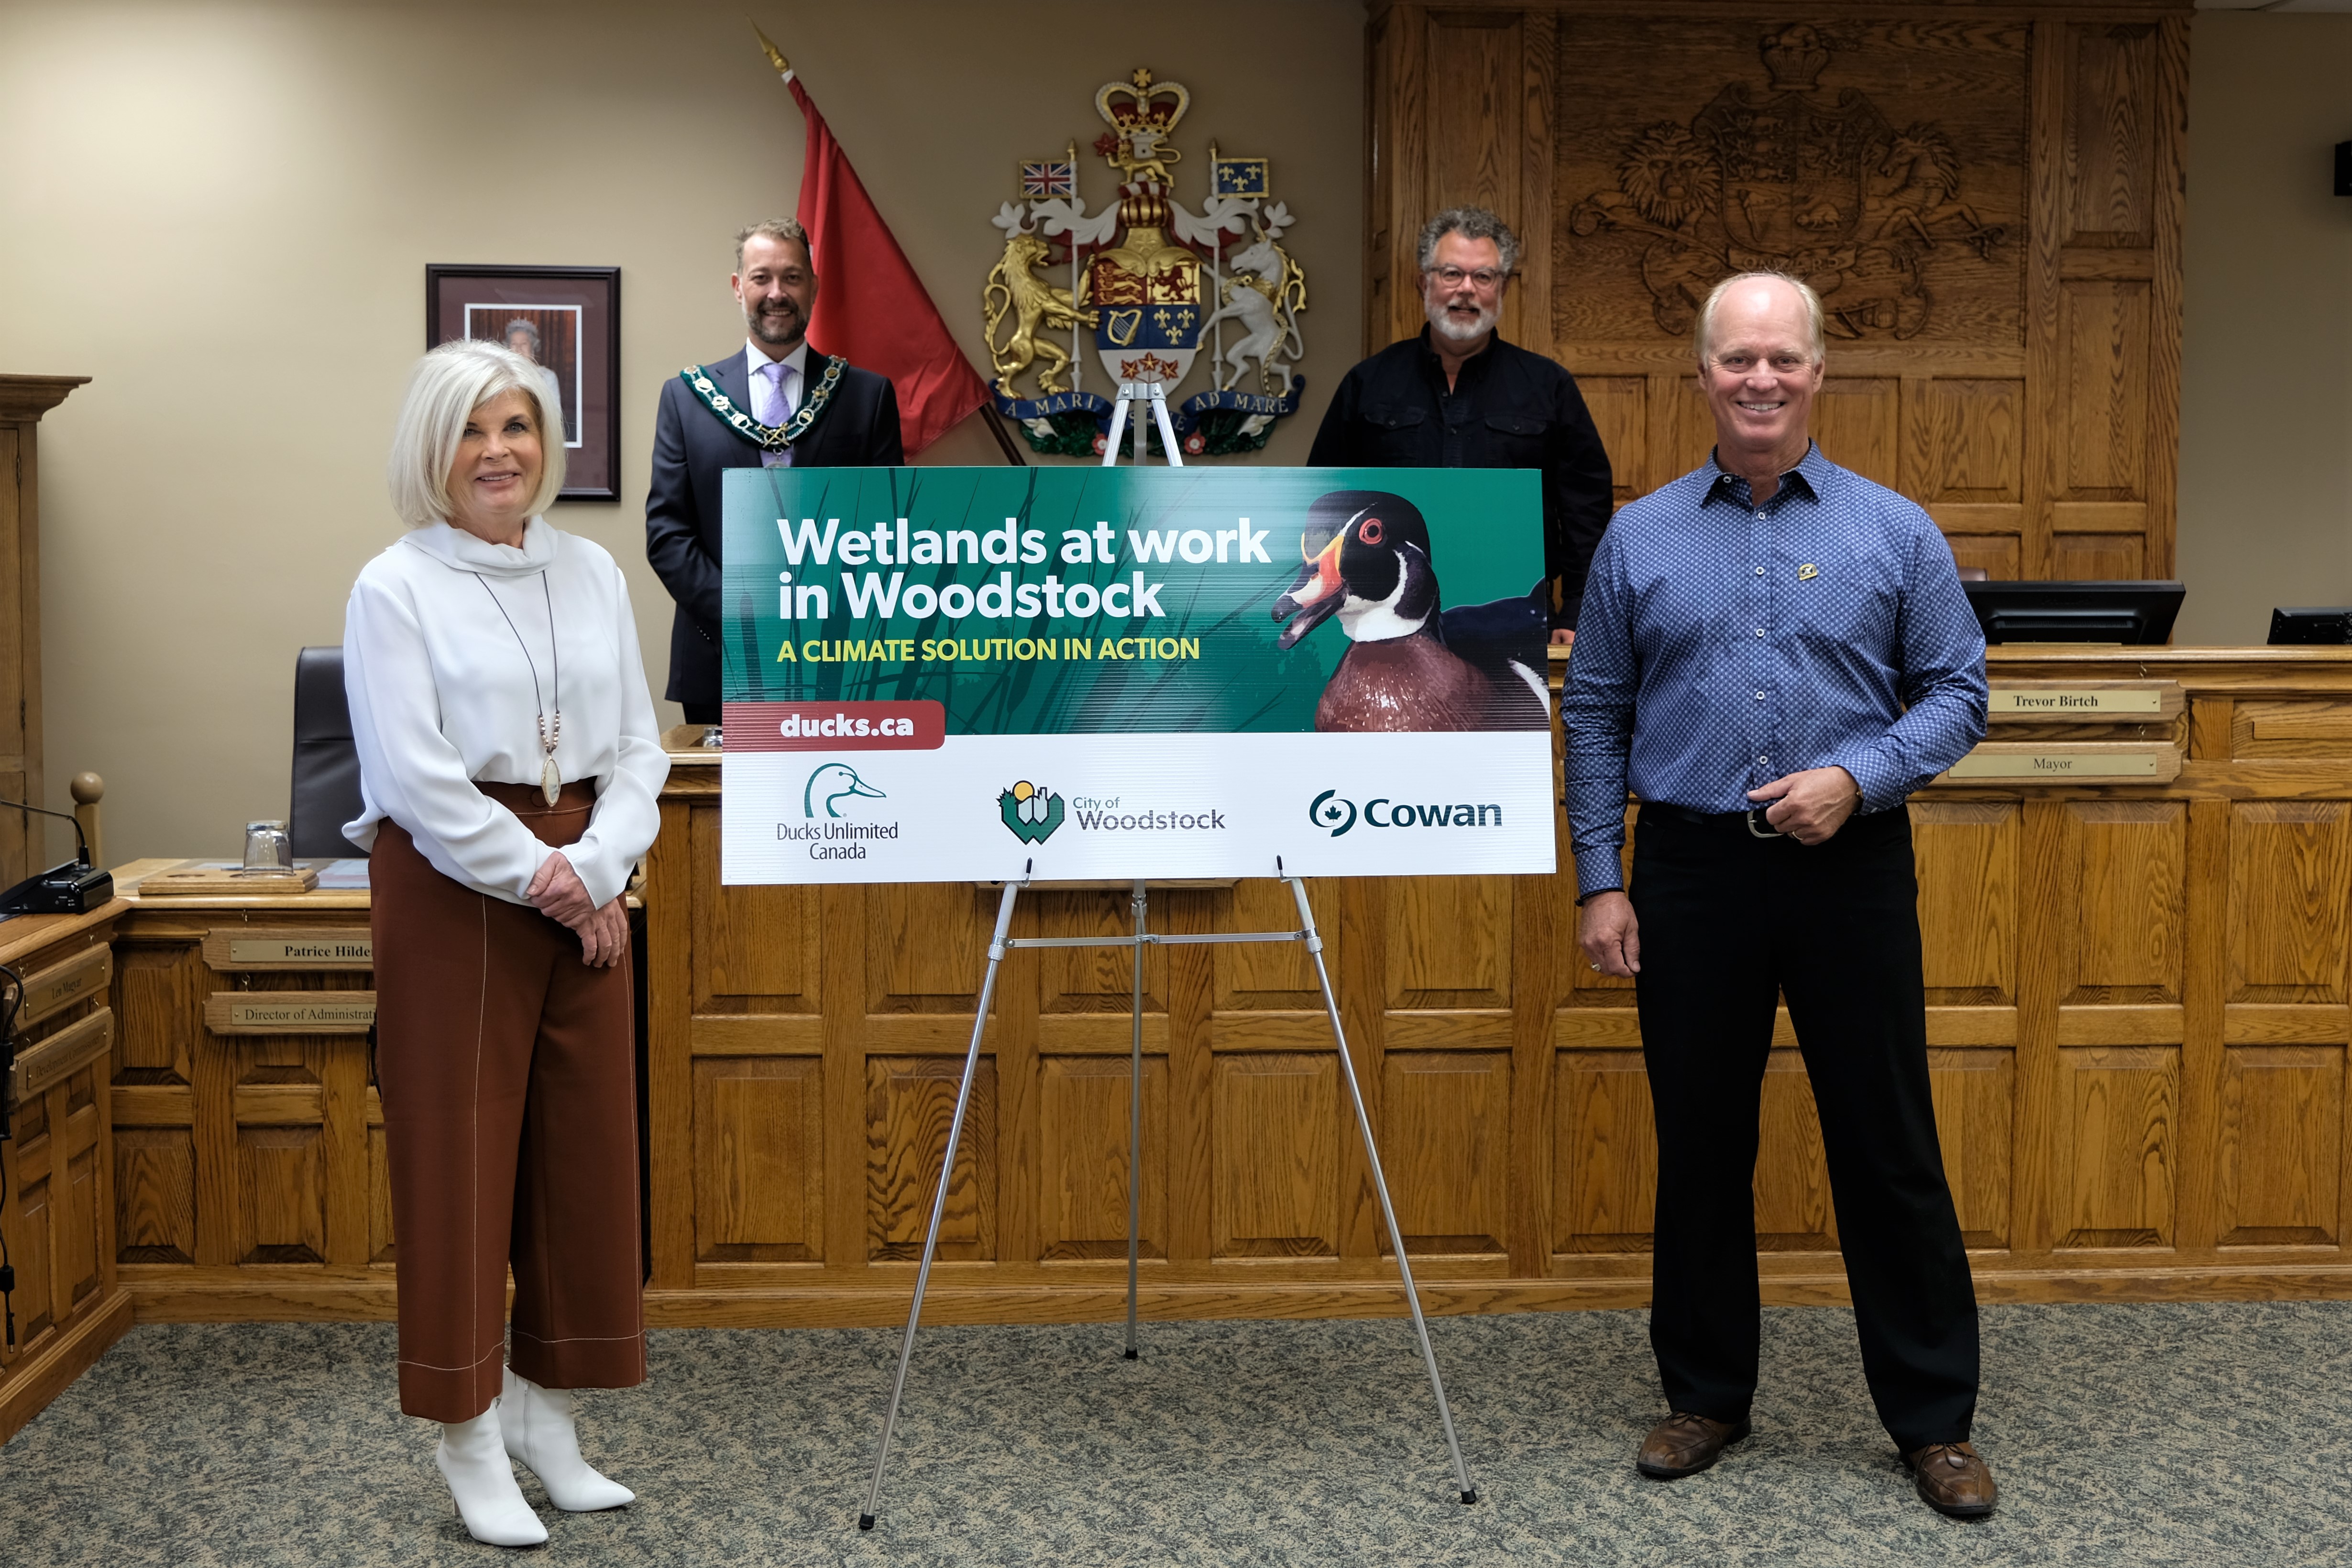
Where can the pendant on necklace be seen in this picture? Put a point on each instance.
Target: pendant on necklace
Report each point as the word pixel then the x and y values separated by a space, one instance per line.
pixel 551 780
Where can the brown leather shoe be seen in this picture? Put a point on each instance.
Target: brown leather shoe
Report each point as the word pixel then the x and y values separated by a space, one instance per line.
pixel 1683 1445
pixel 1952 1480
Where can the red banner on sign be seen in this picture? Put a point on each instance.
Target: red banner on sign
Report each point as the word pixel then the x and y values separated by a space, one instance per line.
pixel 835 726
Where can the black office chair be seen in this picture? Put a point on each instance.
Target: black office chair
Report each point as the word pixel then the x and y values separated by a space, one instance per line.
pixel 326 791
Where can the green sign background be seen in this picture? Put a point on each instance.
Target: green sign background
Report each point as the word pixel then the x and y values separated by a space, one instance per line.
pixel 1486 535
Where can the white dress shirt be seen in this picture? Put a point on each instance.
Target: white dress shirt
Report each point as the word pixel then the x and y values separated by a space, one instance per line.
pixel 775 390
pixel 441 692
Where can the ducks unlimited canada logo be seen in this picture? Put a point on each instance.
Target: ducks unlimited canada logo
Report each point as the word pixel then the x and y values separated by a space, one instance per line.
pixel 830 833
pixel 832 784
pixel 1031 810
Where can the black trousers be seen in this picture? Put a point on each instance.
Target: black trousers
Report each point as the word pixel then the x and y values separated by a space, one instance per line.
pixel 701 713
pixel 1730 924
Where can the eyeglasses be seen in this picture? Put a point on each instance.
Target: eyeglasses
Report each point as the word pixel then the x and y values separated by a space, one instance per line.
pixel 1736 364
pixel 1486 279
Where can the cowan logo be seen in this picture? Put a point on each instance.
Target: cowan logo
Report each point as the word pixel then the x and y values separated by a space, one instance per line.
pixel 1335 811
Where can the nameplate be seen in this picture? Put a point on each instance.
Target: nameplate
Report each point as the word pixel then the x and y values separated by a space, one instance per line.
pixel 234 947
pixel 289 1012
pixel 2060 701
pixel 46 1062
pixel 2079 700
pixel 60 986
pixel 2090 763
pixel 2052 765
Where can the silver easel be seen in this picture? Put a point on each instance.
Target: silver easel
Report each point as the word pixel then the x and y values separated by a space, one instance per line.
pixel 998 945
pixel 1141 391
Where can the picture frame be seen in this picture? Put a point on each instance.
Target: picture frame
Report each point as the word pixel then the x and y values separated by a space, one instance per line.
pixel 568 320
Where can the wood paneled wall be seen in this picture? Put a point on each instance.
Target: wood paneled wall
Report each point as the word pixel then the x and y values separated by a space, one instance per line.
pixel 1988 195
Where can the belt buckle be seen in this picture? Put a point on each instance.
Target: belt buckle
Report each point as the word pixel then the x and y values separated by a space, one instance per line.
pixel 1767 831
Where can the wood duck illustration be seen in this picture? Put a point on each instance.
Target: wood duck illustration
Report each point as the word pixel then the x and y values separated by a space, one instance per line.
pixel 1411 665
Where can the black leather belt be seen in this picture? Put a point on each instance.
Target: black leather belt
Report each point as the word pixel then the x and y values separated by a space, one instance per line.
pixel 1752 820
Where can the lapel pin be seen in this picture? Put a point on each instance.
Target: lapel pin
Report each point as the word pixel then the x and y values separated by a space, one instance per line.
pixel 1807 572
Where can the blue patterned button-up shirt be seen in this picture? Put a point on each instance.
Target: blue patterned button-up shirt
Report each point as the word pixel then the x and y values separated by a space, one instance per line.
pixel 1725 644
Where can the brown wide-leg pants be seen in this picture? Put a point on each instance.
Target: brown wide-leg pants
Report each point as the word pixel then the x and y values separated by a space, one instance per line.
pixel 509 1106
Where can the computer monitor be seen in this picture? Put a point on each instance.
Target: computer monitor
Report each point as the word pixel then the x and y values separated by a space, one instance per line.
pixel 2128 612
pixel 2330 625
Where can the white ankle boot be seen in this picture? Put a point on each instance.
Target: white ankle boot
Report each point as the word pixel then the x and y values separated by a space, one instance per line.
pixel 538 1432
pixel 483 1482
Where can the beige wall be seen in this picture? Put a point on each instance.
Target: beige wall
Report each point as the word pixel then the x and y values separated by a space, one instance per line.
pixel 223 214
pixel 2266 385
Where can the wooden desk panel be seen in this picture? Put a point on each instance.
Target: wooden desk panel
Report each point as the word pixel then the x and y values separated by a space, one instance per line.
pixel 57 1203
pixel 2138 1020
pixel 2140 1006
pixel 249 1167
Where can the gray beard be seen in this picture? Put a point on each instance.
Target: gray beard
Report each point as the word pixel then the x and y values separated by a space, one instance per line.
pixel 1444 325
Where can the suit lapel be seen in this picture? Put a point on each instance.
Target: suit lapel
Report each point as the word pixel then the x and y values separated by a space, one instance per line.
pixel 831 439
pixel 734 378
pixel 731 376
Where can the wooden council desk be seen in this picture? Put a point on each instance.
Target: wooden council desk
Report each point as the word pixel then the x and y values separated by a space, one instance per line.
pixel 57 1167
pixel 2140 1004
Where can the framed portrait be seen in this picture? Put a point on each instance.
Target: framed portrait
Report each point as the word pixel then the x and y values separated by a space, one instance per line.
pixel 567 321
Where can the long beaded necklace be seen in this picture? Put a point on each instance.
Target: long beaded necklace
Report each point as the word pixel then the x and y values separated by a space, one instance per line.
pixel 551 781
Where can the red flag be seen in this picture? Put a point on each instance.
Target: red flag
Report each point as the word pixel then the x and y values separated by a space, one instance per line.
pixel 871 308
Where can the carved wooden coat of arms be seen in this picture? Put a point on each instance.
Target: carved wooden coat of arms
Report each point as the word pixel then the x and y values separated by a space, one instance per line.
pixel 1793 176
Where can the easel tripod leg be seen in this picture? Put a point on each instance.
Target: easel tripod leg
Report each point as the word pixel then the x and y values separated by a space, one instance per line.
pixel 1167 429
pixel 1381 1186
pixel 997 951
pixel 1135 1121
pixel 1118 427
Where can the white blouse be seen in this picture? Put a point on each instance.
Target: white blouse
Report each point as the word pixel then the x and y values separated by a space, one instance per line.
pixel 442 693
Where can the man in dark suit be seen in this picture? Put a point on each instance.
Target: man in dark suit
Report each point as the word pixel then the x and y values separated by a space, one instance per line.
pixel 771 404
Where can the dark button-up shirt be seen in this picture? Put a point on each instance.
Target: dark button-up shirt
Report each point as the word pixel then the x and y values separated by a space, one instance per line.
pixel 1507 409
pixel 1726 644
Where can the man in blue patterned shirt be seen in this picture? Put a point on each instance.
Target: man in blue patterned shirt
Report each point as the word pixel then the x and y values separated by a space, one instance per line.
pixel 1773 654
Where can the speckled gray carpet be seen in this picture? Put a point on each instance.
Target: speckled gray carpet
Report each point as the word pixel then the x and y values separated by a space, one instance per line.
pixel 2128 1434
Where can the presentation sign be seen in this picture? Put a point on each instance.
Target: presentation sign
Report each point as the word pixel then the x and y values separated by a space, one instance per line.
pixel 937 674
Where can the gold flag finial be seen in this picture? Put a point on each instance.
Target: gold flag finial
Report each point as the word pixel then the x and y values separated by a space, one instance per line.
pixel 775 56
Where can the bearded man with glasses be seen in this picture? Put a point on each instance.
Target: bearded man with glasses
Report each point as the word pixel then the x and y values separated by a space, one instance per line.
pixel 1457 396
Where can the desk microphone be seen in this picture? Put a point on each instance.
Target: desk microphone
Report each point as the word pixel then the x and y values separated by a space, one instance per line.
pixel 74 888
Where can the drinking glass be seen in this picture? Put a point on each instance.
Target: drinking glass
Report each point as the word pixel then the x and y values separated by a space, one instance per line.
pixel 268 850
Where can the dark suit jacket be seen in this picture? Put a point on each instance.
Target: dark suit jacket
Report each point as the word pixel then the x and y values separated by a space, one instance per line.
pixel 692 449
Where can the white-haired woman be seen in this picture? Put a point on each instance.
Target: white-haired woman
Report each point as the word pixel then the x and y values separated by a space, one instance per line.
pixel 508 766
